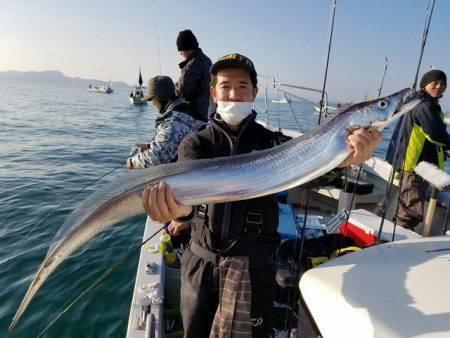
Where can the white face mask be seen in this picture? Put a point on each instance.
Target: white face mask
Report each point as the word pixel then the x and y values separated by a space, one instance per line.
pixel 234 112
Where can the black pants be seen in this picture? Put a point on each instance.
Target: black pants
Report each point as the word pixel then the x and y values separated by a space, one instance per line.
pixel 200 296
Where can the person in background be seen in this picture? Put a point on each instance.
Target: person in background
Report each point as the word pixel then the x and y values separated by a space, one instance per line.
pixel 176 120
pixel 241 232
pixel 193 84
pixel 423 137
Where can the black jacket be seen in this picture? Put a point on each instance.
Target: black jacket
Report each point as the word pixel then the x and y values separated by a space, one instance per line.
pixel 194 82
pixel 424 136
pixel 241 234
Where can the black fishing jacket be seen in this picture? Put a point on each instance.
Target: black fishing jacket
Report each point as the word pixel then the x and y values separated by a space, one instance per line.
pixel 424 136
pixel 242 228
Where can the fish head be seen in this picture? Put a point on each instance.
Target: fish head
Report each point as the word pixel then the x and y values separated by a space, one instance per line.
pixel 383 111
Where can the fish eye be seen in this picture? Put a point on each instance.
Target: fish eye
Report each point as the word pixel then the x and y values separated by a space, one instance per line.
pixel 382 104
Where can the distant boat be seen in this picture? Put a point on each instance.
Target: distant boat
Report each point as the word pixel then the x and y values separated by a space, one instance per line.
pixel 106 89
pixel 283 100
pixel 137 95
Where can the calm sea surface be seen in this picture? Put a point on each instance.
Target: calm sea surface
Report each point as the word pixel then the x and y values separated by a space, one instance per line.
pixel 54 140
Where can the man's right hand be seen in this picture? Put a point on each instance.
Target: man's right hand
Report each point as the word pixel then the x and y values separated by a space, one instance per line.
pixel 161 205
pixel 175 228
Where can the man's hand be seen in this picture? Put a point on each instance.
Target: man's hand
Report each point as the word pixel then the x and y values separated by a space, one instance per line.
pixel 175 228
pixel 362 142
pixel 161 205
pixel 144 146
pixel 129 163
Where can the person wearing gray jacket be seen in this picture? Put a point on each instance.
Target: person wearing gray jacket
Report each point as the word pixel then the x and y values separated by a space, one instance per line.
pixel 193 84
pixel 176 121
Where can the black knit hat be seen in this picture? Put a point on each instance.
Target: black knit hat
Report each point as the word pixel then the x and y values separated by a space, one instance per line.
pixel 433 75
pixel 186 40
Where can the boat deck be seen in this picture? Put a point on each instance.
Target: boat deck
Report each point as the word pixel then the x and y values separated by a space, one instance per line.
pixel 143 278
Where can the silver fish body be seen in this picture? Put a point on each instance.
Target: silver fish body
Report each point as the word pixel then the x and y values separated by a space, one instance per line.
pixel 218 180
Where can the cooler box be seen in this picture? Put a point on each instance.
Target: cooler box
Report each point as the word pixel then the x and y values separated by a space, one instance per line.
pixel 363 227
pixel 288 225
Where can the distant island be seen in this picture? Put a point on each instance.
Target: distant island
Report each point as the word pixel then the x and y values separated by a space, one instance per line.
pixel 54 76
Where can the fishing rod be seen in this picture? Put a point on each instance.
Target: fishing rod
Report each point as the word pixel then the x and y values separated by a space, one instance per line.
pixel 157 36
pixel 386 62
pixel 428 16
pixel 328 60
pixel 83 293
pixel 424 40
pixel 51 212
pixel 115 116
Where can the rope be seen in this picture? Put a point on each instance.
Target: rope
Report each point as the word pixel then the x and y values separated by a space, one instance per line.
pixel 157 37
pixel 110 269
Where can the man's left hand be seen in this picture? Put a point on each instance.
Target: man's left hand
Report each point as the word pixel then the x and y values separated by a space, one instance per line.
pixel 362 142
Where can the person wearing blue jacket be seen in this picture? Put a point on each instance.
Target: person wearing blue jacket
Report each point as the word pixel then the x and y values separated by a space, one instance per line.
pixel 423 137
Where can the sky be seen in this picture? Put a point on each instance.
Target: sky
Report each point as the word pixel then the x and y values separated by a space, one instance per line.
pixel 288 39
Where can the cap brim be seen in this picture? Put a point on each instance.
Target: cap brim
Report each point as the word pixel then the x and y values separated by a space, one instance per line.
pixel 231 62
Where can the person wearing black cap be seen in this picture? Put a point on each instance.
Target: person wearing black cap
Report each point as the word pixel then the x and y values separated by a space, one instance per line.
pixel 237 232
pixel 421 135
pixel 175 121
pixel 193 84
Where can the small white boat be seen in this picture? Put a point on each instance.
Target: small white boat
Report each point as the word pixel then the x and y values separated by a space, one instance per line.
pixel 106 89
pixel 137 94
pixel 136 97
pixel 283 101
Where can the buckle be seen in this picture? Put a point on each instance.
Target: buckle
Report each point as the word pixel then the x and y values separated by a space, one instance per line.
pixel 201 210
pixel 254 218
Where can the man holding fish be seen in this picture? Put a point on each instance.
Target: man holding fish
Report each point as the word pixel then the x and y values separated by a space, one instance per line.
pixel 246 230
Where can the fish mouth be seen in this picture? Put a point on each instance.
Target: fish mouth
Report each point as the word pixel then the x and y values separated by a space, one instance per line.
pixel 407 102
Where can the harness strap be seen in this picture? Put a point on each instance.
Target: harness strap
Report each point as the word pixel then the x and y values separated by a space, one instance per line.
pixel 214 258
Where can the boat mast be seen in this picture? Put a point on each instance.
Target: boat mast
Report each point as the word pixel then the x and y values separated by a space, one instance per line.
pixel 327 63
pixel 140 78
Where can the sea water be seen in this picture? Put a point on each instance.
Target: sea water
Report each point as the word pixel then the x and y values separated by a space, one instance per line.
pixel 54 140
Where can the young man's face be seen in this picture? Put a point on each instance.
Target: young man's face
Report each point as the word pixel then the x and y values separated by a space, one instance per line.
pixel 233 84
pixel 186 53
pixel 435 89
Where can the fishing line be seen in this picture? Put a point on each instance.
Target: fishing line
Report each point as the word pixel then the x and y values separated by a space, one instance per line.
pixel 19 244
pixel 157 36
pixel 299 264
pixel 401 129
pixel 117 115
pixel 278 104
pixel 320 117
pixel 293 114
pixel 446 218
pixel 351 204
pixel 110 269
pixel 328 60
